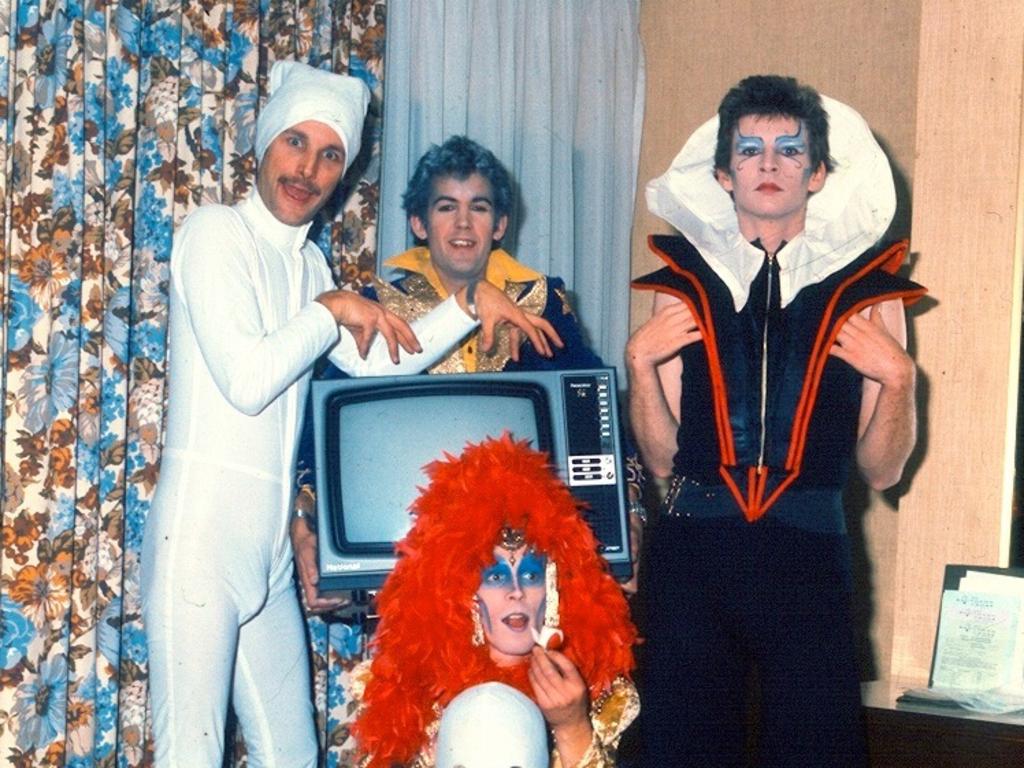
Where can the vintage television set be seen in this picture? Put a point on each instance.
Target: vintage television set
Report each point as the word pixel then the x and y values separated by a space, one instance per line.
pixel 374 435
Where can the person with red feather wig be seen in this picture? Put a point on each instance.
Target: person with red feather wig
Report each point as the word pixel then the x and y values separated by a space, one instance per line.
pixel 499 559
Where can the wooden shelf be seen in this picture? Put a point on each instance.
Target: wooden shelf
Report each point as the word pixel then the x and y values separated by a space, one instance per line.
pixel 919 736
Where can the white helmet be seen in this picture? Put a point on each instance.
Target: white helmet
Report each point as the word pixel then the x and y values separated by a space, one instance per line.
pixel 492 725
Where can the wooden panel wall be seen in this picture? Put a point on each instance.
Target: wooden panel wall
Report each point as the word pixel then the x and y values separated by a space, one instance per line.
pixel 940 83
pixel 966 227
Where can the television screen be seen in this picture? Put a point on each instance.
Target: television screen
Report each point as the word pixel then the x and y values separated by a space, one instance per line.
pixel 375 435
pixel 383 444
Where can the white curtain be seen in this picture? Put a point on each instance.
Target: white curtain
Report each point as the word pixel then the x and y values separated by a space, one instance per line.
pixel 555 89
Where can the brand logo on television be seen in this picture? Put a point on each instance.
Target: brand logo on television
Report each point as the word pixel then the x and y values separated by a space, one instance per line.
pixel 341 567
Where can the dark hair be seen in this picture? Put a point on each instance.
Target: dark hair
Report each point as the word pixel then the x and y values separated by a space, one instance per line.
pixel 459 158
pixel 773 95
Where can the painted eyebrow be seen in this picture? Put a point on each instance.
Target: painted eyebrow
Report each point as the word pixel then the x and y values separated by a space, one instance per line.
pixel 501 566
pixel 533 558
pixel 743 142
pixel 799 132
pixel 790 140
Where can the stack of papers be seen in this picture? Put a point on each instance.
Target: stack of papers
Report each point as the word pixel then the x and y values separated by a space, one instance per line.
pixel 978 663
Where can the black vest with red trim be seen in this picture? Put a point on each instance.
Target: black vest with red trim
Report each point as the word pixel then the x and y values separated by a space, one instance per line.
pixel 812 399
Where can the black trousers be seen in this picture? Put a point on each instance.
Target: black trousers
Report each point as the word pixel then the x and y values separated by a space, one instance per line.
pixel 724 598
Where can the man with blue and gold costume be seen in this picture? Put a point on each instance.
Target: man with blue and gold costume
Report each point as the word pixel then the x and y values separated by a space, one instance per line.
pixel 458 203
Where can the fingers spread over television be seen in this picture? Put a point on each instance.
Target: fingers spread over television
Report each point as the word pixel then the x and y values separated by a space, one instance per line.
pixel 494 308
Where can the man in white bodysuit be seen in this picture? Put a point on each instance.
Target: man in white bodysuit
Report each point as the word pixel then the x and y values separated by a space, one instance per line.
pixel 252 306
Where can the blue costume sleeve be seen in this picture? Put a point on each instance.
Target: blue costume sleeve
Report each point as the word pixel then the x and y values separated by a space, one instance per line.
pixel 575 354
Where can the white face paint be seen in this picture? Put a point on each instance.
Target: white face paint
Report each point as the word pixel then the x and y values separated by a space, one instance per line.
pixel 770 175
pixel 511 601
pixel 492 726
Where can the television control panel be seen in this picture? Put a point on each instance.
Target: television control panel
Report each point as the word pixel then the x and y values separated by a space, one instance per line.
pixel 590 458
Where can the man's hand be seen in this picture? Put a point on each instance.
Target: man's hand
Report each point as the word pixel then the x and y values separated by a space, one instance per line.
pixel 668 330
pixel 887 428
pixel 363 318
pixel 494 308
pixel 304 548
pixel 867 345
pixel 655 370
pixel 561 694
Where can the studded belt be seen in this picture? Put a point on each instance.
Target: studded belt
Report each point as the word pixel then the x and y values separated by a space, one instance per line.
pixel 811 509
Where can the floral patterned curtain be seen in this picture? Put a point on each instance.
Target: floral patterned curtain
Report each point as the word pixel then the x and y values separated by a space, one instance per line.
pixel 117 119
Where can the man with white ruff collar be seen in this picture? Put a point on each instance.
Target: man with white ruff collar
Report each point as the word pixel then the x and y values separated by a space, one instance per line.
pixel 774 358
pixel 252 306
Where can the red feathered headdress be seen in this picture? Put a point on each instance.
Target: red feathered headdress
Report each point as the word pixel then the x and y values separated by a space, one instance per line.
pixel 424 655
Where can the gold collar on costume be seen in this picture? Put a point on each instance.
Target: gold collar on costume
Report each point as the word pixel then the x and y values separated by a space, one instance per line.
pixel 502 268
pixel 421 290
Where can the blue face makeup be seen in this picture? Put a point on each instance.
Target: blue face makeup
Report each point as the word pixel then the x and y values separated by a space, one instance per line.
pixel 748 146
pixel 508 589
pixel 793 147
pixel 529 572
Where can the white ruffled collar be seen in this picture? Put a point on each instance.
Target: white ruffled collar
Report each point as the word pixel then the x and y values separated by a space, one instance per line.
pixel 851 212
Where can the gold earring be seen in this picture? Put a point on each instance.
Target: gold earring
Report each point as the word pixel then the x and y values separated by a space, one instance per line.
pixel 478 626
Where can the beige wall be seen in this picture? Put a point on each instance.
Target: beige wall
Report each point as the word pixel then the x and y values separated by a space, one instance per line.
pixel 966 227
pixel 907 67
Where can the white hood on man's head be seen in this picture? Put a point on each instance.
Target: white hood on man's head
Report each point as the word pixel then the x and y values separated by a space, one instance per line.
pixel 850 213
pixel 299 92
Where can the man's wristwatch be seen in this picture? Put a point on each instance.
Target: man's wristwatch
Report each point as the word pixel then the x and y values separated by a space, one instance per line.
pixel 636 507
